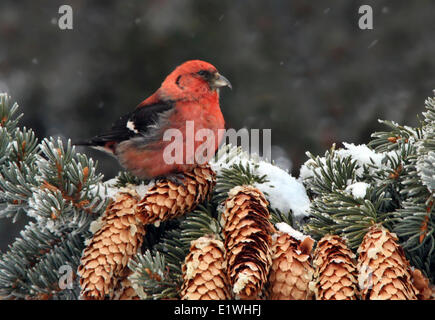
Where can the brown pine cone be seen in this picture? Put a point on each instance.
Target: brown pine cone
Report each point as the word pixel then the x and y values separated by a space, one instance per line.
pixel 124 289
pixel 291 271
pixel 107 254
pixel 421 283
pixel 384 271
pixel 247 231
pixel 167 200
pixel 204 274
pixel 335 275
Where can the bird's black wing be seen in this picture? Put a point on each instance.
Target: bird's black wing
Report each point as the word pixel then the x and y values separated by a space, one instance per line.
pixel 135 123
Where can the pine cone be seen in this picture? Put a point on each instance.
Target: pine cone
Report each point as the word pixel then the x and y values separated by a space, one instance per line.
pixel 384 271
pixel 421 283
pixel 167 200
pixel 105 259
pixel 204 274
pixel 291 271
pixel 335 271
pixel 124 289
pixel 247 231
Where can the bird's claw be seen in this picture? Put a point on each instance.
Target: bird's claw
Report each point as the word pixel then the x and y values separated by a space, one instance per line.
pixel 176 178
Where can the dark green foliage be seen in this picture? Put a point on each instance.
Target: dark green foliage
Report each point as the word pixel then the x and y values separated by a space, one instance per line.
pixel 277 216
pixel 400 195
pixel 124 178
pixel 151 275
pixel 334 173
pixel 59 190
pixel 202 221
pixel 236 175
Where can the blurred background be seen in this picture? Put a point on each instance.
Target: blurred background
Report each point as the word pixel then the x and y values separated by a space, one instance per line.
pixel 303 69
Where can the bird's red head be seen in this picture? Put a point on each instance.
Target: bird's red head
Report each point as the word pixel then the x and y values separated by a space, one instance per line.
pixel 193 80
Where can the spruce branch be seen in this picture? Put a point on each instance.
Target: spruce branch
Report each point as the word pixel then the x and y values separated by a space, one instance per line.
pixel 31 265
pixel 237 174
pixel 276 216
pixel 8 113
pixel 125 178
pixel 24 146
pixel 385 141
pixel 16 188
pixel 331 172
pixel 69 179
pixel 156 274
pixel 201 222
pixel 425 163
pixel 151 278
pixel 60 190
pixel 174 251
pixel 4 145
pixel 45 277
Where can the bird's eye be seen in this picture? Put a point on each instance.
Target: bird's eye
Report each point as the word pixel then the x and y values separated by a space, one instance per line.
pixel 203 73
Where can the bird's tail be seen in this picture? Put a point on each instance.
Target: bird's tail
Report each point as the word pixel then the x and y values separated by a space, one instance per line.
pixel 98 144
pixel 86 143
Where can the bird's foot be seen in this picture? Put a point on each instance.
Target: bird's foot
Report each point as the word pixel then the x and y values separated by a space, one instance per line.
pixel 176 178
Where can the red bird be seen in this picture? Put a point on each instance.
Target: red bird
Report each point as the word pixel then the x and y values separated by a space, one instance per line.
pixel 189 95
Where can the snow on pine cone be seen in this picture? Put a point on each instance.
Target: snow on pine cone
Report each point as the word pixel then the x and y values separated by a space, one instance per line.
pixel 335 275
pixel 167 200
pixel 291 271
pixel 204 274
pixel 247 231
pixel 105 259
pixel 384 271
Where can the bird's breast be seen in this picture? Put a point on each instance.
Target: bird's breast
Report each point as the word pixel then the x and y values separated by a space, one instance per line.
pixel 205 114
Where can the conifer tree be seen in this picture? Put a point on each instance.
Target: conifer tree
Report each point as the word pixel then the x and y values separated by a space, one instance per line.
pixel 169 232
pixel 389 182
pixel 59 190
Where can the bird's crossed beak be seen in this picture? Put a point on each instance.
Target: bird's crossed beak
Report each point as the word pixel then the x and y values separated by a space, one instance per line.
pixel 220 81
